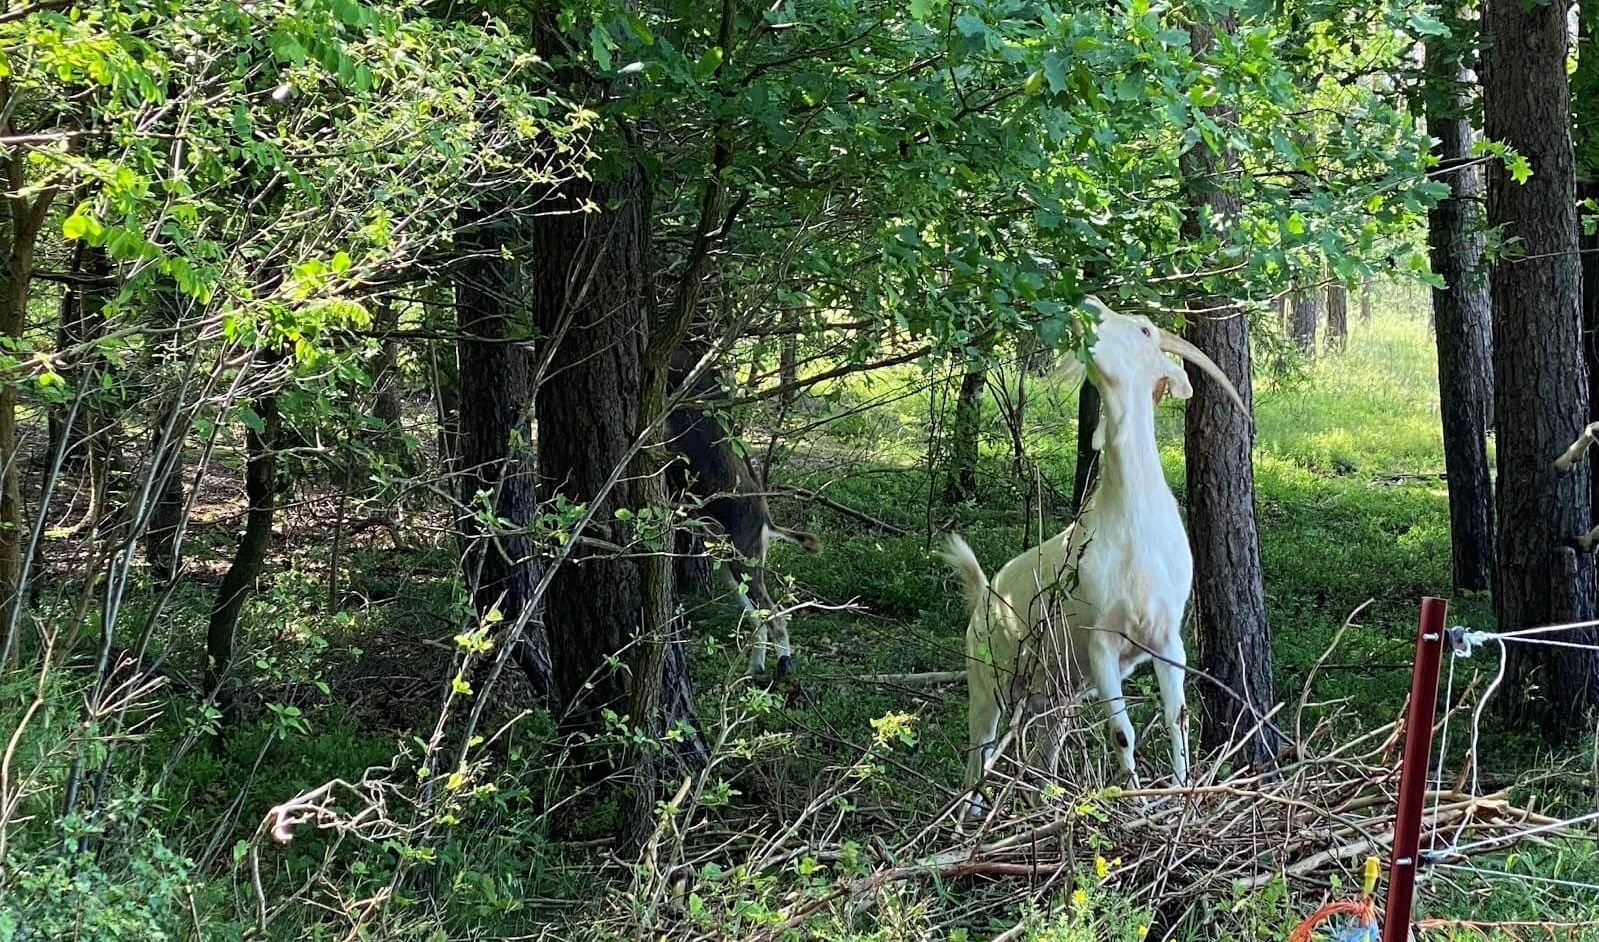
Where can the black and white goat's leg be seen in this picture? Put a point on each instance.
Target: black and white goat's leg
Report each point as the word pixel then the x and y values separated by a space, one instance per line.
pixel 736 575
pixel 774 624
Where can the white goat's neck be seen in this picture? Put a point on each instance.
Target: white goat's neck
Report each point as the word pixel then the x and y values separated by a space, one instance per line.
pixel 1131 479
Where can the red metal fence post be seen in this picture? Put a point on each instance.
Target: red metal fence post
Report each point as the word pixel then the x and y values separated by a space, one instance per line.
pixel 1413 771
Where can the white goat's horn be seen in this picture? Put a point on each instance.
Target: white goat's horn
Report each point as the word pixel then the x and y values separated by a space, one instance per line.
pixel 1171 343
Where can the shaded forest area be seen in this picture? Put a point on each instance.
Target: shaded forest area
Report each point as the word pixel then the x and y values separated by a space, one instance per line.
pixel 475 471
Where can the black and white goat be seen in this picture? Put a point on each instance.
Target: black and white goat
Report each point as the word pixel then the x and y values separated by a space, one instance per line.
pixel 727 492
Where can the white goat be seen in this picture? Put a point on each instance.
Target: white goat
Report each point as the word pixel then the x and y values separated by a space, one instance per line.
pixel 1080 612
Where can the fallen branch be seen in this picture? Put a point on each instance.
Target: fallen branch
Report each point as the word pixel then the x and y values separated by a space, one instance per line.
pixel 924 679
pixel 812 497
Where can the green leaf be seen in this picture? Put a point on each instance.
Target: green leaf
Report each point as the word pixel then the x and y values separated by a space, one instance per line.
pixel 637 26
pixel 709 63
pixel 600 46
pixel 1422 24
pixel 972 25
pixel 286 47
pixel 1055 68
pixel 1520 169
pixel 253 419
pixel 350 13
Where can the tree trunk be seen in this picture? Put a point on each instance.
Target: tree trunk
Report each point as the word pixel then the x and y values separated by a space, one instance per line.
pixel 960 483
pixel 1230 626
pixel 590 297
pixel 74 327
pixel 168 497
pixel 260 489
pixel 493 419
pixel 1540 387
pixel 19 235
pixel 1463 316
pixel 1035 356
pixel 1304 310
pixel 383 367
pixel 1337 317
pixel 1365 301
pixel 1087 467
pixel 788 357
pixel 1589 245
pixel 161 543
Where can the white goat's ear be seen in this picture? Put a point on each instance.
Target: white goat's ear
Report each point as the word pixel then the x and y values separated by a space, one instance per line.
pixel 1175 381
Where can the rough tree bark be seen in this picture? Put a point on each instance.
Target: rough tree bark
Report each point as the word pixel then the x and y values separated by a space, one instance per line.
pixel 788 357
pixel 589 294
pixel 167 494
pixel 383 367
pixel 960 482
pixel 260 489
pixel 492 435
pixel 1589 245
pixel 1231 630
pixel 1463 316
pixel 1304 310
pixel 23 219
pixel 1337 317
pixel 76 325
pixel 1540 386
pixel 1087 467
pixel 1585 127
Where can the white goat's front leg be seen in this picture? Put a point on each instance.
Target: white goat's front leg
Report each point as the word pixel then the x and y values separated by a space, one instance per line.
pixel 1170 666
pixel 1105 662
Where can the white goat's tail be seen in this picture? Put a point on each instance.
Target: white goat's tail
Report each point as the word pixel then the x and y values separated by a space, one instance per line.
pixel 961 559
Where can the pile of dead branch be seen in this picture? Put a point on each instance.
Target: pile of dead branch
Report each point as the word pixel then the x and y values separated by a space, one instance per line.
pixel 1311 823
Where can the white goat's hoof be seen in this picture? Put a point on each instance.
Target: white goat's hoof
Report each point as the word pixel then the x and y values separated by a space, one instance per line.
pixel 785 665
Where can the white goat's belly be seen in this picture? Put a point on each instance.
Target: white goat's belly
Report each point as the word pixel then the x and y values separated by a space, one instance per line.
pixel 1140 591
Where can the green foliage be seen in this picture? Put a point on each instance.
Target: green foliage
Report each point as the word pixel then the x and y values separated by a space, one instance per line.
pixel 266 181
pixel 136 896
pixel 948 171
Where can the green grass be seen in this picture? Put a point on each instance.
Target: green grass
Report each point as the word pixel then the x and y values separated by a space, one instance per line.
pixel 1352 513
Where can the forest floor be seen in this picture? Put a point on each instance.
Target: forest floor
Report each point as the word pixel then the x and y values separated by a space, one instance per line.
pixel 1353 516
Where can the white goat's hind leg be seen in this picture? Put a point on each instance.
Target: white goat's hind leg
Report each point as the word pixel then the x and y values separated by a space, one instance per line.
pixel 1170 666
pixel 982 722
pixel 1105 663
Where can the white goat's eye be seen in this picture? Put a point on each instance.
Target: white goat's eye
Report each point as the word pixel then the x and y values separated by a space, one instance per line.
pixel 1147 333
